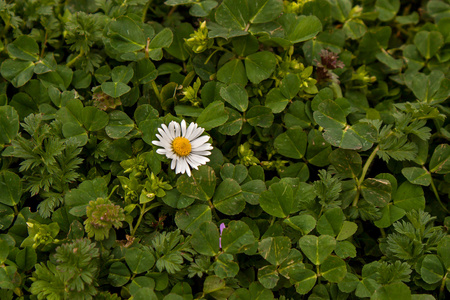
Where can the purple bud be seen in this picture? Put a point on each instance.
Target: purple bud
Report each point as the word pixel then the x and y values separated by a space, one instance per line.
pixel 221 228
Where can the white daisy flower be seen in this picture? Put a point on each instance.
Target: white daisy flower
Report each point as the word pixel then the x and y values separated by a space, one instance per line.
pixel 184 146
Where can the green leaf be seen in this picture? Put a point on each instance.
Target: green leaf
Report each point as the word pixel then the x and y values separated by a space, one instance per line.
pixel 10 188
pixel 390 214
pixel 304 280
pixel 333 269
pixel 4 251
pixel 139 260
pixel 443 250
pixel 145 71
pixel 9 124
pixel 299 28
pixel 387 9
pixel 75 132
pixel 290 86
pixel 205 240
pixel 345 249
pixel 200 185
pixel 347 230
pixel 24 48
pixel 6 216
pixel 17 72
pixel 275 249
pixel 232 72
pixel 236 236
pixel 119 150
pixel 115 89
pixel 232 14
pixel 125 35
pixel 376 191
pixel 260 65
pixel 260 116
pixel 122 74
pixel 347 163
pixel 177 48
pixel 26 258
pixel 278 200
pixel 94 119
pixel 234 123
pixel 212 116
pixel 24 105
pixel 224 266
pixel 428 43
pixel 252 190
pixel 355 28
pixel 432 270
pixel 276 101
pixel 330 115
pixel 417 175
pixel 393 291
pixel 317 249
pixel 163 39
pixel 440 160
pixel 409 197
pixel 303 223
pixel 424 86
pixel 236 95
pixel 202 9
pixel 190 218
pixel 145 293
pixel 118 274
pixel 119 125
pixel 237 172
pixel 331 222
pixel 228 198
pixel 268 276
pixel 291 143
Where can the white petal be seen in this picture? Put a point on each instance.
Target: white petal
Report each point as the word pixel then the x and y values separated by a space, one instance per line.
pixel 188 171
pixel 200 159
pixel 199 141
pixel 173 164
pixel 172 129
pixel 196 133
pixel 189 130
pixel 192 163
pixel 177 129
pixel 165 133
pixel 161 151
pixel 202 153
pixel 183 128
pixel 206 146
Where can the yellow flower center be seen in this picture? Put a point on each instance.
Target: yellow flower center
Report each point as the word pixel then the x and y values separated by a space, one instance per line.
pixel 181 146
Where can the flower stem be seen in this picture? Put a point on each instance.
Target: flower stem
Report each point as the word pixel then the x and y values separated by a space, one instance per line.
pixel 139 220
pixel 155 89
pixel 436 194
pixel 363 174
pixel 70 63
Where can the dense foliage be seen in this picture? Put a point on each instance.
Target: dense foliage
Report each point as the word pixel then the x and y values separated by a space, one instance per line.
pixel 330 172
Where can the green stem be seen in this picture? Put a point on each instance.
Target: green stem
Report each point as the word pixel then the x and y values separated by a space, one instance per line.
pixel 363 174
pixel 155 89
pixel 383 233
pixel 139 220
pixel 436 194
pixel 144 13
pixel 442 288
pixel 70 63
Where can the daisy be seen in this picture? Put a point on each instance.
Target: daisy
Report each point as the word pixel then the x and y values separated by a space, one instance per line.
pixel 184 146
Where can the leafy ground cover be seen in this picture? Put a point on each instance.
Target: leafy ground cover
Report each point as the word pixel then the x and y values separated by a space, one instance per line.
pixel 328 176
